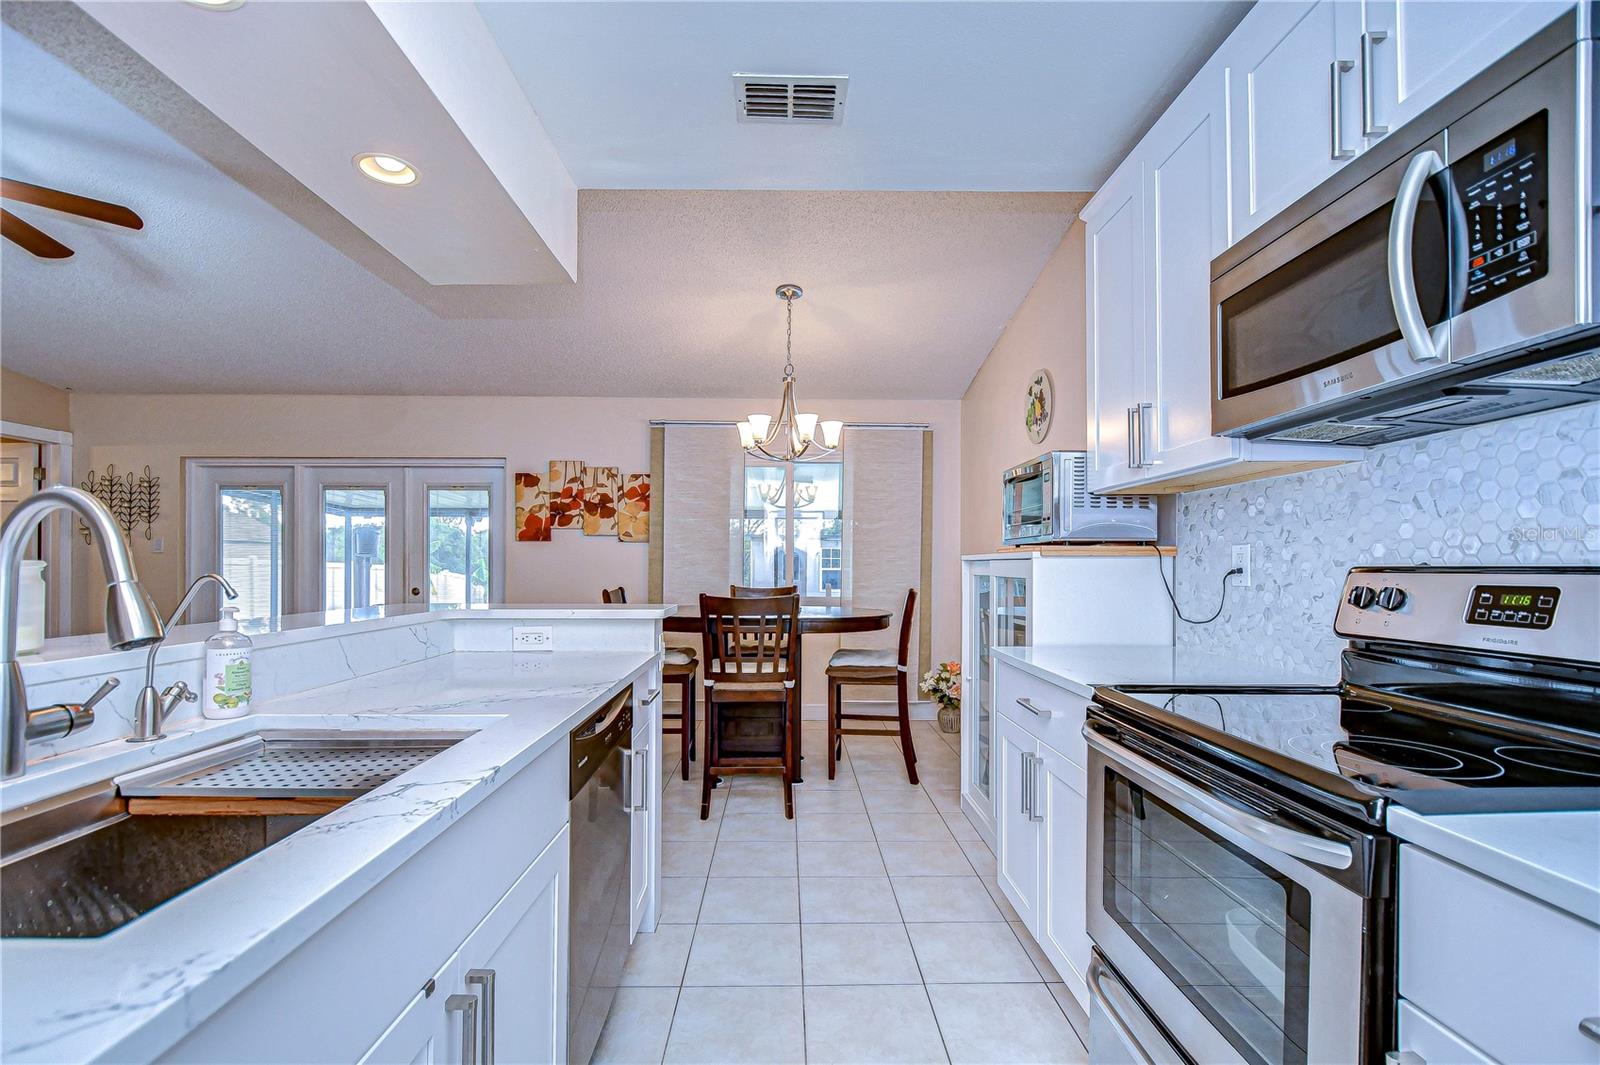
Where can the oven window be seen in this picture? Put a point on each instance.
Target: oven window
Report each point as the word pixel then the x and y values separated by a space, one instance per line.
pixel 1331 302
pixel 1026 498
pixel 1233 934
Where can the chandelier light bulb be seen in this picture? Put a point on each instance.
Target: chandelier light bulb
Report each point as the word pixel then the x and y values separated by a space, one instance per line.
pixel 832 432
pixel 759 424
pixel 747 436
pixel 806 426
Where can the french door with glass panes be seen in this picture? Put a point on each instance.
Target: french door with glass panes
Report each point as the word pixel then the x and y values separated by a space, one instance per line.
pixel 344 539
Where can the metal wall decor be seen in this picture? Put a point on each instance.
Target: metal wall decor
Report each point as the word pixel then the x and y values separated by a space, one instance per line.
pixel 133 500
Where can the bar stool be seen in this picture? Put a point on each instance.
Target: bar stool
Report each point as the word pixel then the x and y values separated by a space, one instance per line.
pixel 872 666
pixel 750 685
pixel 678 667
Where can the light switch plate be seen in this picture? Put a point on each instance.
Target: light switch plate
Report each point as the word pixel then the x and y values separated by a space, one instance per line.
pixel 533 638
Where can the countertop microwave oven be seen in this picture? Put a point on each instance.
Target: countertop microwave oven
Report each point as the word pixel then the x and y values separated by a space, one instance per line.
pixel 1047 501
pixel 1445 278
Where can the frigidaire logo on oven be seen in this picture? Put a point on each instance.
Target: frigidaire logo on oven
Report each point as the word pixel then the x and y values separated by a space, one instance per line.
pixel 1341 379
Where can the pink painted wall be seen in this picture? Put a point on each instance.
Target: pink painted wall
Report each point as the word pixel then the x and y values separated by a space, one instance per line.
pixel 132 430
pixel 1047 332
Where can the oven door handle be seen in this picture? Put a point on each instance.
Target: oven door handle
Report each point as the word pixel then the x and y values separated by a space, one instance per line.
pixel 1112 997
pixel 1300 845
pixel 1402 271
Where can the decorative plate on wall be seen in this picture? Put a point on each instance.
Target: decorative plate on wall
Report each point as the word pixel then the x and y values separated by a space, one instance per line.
pixel 1041 406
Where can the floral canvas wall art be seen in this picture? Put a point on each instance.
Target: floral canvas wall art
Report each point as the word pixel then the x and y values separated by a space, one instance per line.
pixel 633 514
pixel 533 508
pixel 565 489
pixel 601 487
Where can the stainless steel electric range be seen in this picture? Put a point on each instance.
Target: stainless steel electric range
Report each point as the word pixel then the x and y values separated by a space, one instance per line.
pixel 1241 896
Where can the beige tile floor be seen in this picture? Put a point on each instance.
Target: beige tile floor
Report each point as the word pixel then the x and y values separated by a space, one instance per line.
pixel 868 929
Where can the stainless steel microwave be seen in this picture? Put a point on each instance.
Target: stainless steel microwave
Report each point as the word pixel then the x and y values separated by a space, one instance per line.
pixel 1445 278
pixel 1047 501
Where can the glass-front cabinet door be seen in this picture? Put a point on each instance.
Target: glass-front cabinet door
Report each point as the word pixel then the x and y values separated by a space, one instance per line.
pixel 983 673
pixel 1011 612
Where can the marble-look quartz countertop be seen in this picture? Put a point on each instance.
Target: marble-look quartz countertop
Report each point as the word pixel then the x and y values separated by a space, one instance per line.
pixel 1080 668
pixel 134 993
pixel 1552 855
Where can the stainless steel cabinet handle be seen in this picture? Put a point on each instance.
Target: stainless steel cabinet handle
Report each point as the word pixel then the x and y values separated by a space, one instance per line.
pixel 1336 72
pixel 1036 711
pixel 1402 276
pixel 628 763
pixel 467 1006
pixel 1138 421
pixel 1025 789
pixel 642 775
pixel 655 693
pixel 1369 102
pixel 1034 762
pixel 1133 463
pixel 1590 1026
pixel 1403 1057
pixel 484 978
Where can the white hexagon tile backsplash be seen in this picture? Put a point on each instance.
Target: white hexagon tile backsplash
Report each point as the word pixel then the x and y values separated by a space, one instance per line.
pixel 1518 492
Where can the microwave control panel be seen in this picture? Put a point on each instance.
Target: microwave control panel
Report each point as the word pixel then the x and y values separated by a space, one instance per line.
pixel 1504 190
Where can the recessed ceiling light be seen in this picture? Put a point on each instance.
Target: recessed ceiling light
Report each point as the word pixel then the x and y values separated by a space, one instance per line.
pixel 389 169
pixel 218 5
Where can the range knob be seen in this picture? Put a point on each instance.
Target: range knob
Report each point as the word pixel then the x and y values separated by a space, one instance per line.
pixel 1361 597
pixel 1392 598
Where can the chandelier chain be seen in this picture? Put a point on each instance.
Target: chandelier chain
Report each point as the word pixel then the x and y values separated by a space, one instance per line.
pixel 788 338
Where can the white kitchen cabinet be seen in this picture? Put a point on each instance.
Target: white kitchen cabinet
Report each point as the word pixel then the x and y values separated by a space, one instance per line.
pixel 421 1034
pixel 1017 846
pixel 1042 820
pixel 1295 100
pixel 1052 595
pixel 1063 905
pixel 1115 319
pixel 508 981
pixel 1416 52
pixel 641 859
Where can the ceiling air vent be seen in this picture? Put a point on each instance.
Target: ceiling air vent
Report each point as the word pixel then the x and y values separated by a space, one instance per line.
pixel 790 98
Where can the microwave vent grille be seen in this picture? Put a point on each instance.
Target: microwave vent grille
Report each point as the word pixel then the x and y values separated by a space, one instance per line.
pixel 1578 370
pixel 1327 432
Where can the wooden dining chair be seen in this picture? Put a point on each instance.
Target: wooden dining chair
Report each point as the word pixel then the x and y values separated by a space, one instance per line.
pixel 739 591
pixel 872 666
pixel 751 689
pixel 679 667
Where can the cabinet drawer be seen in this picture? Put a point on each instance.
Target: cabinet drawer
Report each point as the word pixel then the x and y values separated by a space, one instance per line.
pixel 1509 974
pixel 1057 714
pixel 1435 1044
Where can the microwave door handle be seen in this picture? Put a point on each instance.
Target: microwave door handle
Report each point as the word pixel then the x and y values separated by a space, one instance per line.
pixel 1402 273
pixel 1300 845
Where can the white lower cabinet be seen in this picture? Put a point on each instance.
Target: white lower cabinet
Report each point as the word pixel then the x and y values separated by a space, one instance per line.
pixel 1063 912
pixel 1042 822
pixel 503 995
pixel 1488 973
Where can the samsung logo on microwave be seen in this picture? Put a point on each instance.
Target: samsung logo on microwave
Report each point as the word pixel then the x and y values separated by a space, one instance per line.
pixel 1341 379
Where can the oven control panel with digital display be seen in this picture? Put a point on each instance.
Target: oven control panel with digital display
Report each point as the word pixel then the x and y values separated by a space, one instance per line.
pixel 1504 187
pixel 1516 606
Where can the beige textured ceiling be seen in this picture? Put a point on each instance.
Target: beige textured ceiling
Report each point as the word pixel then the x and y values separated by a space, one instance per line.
pixel 242 281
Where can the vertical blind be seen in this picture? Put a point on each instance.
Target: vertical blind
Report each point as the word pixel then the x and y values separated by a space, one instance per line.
pixel 699 504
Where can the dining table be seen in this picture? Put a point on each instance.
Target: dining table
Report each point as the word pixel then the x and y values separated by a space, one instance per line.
pixel 815 620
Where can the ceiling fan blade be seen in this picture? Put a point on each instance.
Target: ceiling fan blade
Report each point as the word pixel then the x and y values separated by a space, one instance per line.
pixel 70 203
pixel 30 239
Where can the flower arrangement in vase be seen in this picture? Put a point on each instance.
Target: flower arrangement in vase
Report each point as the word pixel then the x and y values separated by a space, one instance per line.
pixel 943 685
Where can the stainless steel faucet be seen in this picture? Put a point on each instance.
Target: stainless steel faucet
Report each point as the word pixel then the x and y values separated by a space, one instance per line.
pixel 131 618
pixel 154 706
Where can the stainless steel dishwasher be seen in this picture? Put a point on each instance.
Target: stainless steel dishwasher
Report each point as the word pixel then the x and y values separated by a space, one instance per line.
pixel 601 816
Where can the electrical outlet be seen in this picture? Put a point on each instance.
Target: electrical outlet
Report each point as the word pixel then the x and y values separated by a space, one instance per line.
pixel 533 638
pixel 1241 561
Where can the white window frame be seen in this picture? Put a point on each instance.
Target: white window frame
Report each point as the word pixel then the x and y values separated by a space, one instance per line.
pixel 302 481
pixel 55 455
pixel 789 525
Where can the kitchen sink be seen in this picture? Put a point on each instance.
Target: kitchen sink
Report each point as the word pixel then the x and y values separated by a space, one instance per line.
pixel 95 860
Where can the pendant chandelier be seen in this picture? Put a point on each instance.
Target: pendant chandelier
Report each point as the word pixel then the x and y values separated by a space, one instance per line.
pixel 788 435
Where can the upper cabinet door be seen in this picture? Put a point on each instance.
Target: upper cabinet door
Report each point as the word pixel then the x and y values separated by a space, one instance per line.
pixel 1295 97
pixel 1185 178
pixel 1114 248
pixel 1415 52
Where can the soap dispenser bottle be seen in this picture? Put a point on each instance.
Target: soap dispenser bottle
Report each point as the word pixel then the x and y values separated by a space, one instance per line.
pixel 225 691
